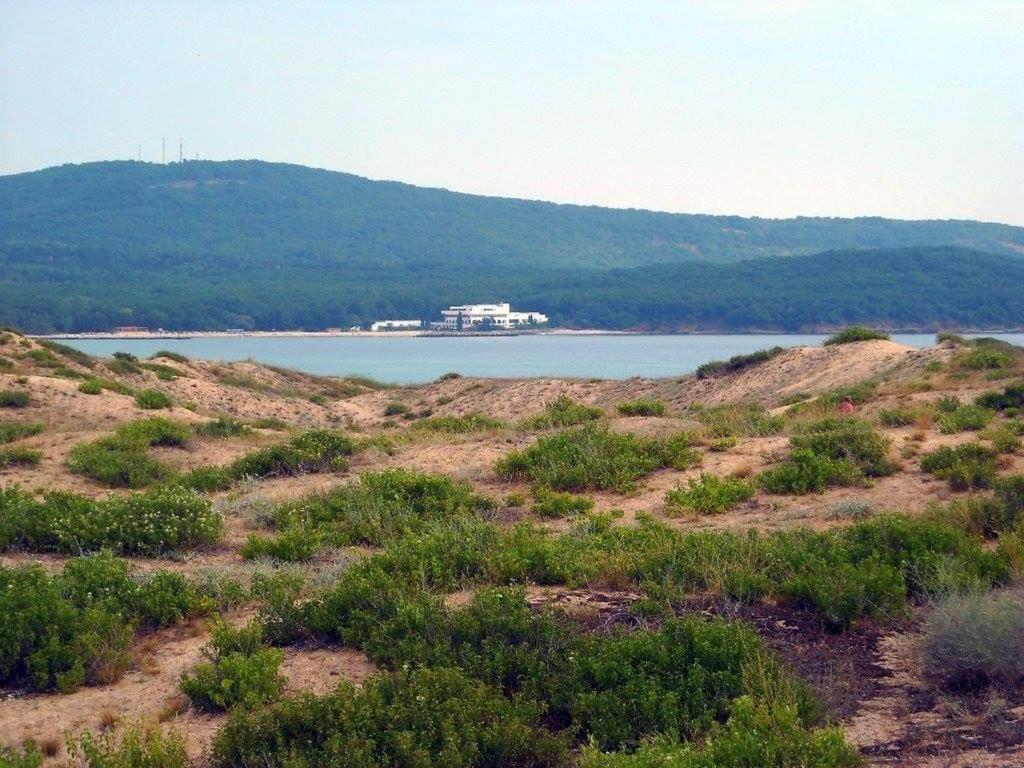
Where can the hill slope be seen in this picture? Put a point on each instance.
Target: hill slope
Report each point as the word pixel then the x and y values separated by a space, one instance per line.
pixel 205 244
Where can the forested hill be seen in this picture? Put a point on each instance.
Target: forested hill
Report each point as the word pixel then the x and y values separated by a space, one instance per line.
pixel 246 243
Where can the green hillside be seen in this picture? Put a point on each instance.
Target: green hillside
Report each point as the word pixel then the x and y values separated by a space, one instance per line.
pixel 205 244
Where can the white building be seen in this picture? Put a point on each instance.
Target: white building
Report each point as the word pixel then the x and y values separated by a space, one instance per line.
pixel 396 325
pixel 465 316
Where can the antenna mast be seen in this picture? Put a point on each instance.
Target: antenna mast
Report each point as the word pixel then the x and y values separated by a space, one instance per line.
pixel 180 155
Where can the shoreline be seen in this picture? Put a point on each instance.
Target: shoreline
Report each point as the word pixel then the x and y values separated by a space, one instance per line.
pixel 185 335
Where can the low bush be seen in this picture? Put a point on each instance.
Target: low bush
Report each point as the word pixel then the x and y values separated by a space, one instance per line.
pixel 556 504
pixel 854 333
pixel 152 399
pixel 65 630
pixel 808 472
pixel 459 425
pixel 223 426
pixel 396 408
pixel 91 387
pixel 965 418
pixel 970 465
pixel 149 523
pixel 743 420
pixel 901 416
pixel 419 717
pixel 563 411
pixel 1010 397
pixel 294 545
pixel 13 398
pixel 382 506
pixel 642 407
pixel 28 756
pixel 316 450
pixel 18 430
pixel 269 422
pixel 845 439
pixel 983 358
pixel 976 639
pixel 135 747
pixel 592 457
pixel 121 460
pixel 737 362
pixel 19 456
pixel 710 494
pixel 167 355
pixel 239 671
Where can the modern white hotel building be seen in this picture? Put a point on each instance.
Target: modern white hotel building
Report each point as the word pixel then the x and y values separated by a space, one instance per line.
pixel 497 315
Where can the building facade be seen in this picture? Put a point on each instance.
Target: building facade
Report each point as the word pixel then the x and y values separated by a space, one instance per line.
pixel 465 316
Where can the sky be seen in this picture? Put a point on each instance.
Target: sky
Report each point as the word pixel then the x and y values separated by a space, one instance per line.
pixel 775 108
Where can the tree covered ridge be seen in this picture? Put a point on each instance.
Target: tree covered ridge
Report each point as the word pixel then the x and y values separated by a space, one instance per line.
pixel 262 245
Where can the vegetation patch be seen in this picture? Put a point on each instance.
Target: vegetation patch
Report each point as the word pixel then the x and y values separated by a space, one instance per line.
pixel 737 362
pixel 71 353
pixel 75 628
pixel 563 411
pixel 557 504
pixel 855 333
pixel 966 466
pixel 19 456
pixel 316 450
pixel 965 418
pixel 223 427
pixel 122 460
pixel 152 399
pixel 845 439
pixel 710 494
pixel 239 671
pixel 642 407
pixel 13 398
pixel 593 457
pixel 738 420
pixel 460 425
pixel 19 430
pixel 149 523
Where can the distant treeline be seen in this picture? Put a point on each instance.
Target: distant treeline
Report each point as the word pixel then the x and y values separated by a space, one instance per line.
pixel 57 288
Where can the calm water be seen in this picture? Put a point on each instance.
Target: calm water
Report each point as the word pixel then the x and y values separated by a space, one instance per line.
pixel 408 360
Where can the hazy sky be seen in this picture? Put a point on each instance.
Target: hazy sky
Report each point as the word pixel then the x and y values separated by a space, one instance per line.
pixel 767 108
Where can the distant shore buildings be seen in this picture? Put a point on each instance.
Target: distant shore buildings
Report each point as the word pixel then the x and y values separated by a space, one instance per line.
pixel 466 316
pixel 396 325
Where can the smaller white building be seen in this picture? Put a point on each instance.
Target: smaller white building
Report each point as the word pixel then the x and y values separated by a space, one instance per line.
pixel 465 316
pixel 396 325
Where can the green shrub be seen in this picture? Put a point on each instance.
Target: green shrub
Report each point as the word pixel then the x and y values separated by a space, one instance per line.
pixel 902 416
pixel 975 639
pixel 970 465
pixel 74 628
pixel 19 456
pixel 986 358
pixel 152 399
pixel 269 422
pixel 742 420
pixel 14 430
pixel 808 472
pixel 1010 397
pixel 966 418
pixel 148 523
pixel 316 450
pixel 29 756
pixel 136 747
pixel 418 717
pixel 121 460
pixel 175 356
pixel 223 426
pixel 239 671
pixel 854 333
pixel 458 425
pixel 563 411
pixel 592 457
pixel 556 504
pixel 294 545
pixel 642 407
pixel 737 362
pixel 206 479
pixel 395 408
pixel 382 506
pixel 13 398
pixel 710 494
pixel 845 439
pixel 91 387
